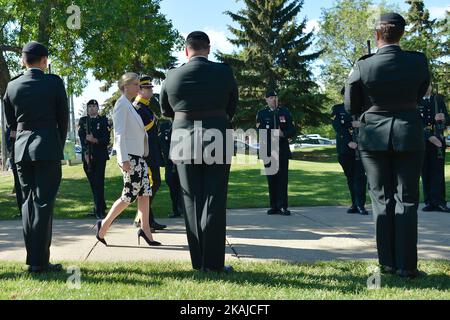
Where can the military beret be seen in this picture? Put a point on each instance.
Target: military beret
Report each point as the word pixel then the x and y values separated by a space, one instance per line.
pixel 92 102
pixel 271 93
pixel 198 35
pixel 145 81
pixel 36 49
pixel 391 18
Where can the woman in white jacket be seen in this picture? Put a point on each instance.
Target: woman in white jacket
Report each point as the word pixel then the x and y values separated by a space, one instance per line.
pixel 130 143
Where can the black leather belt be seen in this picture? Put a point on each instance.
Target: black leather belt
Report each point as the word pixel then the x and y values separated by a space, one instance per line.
pixel 199 115
pixel 30 126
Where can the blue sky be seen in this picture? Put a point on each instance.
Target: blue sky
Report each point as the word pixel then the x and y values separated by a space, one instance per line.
pixel 208 15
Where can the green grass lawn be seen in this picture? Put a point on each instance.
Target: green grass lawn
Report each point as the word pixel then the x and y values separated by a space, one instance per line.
pixel 265 281
pixel 315 179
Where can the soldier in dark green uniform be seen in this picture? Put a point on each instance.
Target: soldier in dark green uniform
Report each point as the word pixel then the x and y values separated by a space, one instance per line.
pixel 201 95
pixel 349 159
pixel 270 118
pixel 36 108
pixel 10 140
pixel 142 106
pixel 94 135
pixel 435 120
pixel 391 140
pixel 171 173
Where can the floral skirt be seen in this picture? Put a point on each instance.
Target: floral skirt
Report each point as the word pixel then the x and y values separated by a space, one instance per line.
pixel 136 182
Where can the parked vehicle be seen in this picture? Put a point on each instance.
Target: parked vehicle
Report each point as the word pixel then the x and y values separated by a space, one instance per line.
pixel 310 141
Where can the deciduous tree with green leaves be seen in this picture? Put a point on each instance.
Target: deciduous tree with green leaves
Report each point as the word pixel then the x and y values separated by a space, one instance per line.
pixel 274 53
pixel 430 36
pixel 114 36
pixel 345 29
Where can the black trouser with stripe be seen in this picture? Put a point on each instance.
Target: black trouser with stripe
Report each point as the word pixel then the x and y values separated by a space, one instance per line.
pixel 205 190
pixel 96 177
pixel 394 189
pixel 278 185
pixel 433 176
pixel 356 178
pixel 39 182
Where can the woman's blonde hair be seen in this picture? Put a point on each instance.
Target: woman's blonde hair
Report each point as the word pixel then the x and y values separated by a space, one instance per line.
pixel 127 78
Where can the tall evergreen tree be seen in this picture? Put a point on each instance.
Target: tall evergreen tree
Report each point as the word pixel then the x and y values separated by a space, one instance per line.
pixel 430 36
pixel 274 54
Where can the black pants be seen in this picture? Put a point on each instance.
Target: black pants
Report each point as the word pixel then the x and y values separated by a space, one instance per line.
pixel 173 182
pixel 96 177
pixel 394 189
pixel 39 182
pixel 278 185
pixel 356 178
pixel 205 190
pixel 17 190
pixel 156 179
pixel 433 176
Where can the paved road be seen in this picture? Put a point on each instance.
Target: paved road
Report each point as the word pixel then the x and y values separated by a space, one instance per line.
pixel 310 234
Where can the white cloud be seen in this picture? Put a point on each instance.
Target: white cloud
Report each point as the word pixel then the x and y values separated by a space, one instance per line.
pixel 219 41
pixel 312 25
pixel 438 12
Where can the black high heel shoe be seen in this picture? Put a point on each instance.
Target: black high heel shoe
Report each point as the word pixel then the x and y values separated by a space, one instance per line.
pixel 99 226
pixel 151 243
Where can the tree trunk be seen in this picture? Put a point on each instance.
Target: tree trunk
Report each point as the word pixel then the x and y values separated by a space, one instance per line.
pixel 4 75
pixel 45 23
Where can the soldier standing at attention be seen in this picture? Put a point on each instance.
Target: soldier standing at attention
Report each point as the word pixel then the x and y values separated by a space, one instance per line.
pixel 348 158
pixel 435 120
pixel 171 174
pixel 199 96
pixel 37 112
pixel 95 136
pixel 270 118
pixel 391 140
pixel 142 105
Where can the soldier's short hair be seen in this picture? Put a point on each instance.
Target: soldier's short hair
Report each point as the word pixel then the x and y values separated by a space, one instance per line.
pixel 390 33
pixel 198 40
pixel 30 58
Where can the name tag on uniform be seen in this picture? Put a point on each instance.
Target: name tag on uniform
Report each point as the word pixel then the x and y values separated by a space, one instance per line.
pixel 98 126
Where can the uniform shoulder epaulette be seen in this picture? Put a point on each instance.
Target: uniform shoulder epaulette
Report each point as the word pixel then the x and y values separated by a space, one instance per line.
pixel 16 77
pixel 415 52
pixel 54 76
pixel 366 56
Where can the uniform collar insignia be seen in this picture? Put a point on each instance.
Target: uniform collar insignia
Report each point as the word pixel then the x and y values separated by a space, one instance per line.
pixel 139 99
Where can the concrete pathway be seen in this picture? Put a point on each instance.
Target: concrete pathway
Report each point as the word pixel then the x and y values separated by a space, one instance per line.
pixel 310 234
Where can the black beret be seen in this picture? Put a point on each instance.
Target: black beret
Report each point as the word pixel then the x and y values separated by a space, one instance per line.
pixel 271 93
pixel 36 49
pixel 392 18
pixel 198 35
pixel 145 81
pixel 92 102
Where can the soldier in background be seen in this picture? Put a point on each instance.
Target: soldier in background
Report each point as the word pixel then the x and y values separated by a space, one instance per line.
pixel 94 133
pixel 435 120
pixel 10 140
pixel 349 159
pixel 171 173
pixel 142 107
pixel 274 117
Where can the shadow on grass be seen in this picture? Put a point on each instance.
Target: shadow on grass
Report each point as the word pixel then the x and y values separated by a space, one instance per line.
pixel 344 279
